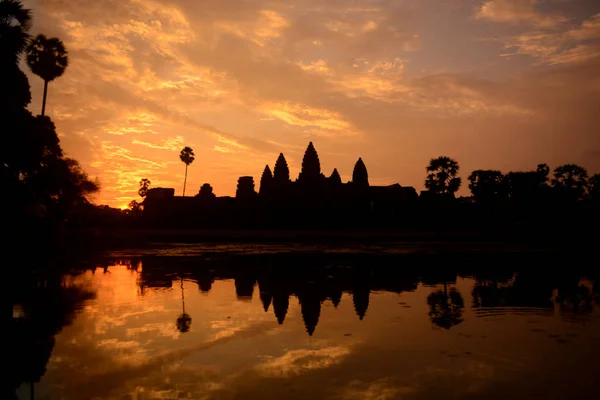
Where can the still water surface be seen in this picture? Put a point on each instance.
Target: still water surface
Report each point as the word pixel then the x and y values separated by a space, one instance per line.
pixel 277 325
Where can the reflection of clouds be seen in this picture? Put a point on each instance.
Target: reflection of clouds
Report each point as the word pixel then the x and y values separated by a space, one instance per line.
pixel 106 319
pixel 160 329
pixel 296 362
pixel 379 390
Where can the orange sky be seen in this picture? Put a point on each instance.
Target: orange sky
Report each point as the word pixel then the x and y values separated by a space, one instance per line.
pixel 496 84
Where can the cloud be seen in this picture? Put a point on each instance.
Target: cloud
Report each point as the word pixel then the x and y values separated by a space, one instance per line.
pixel 518 11
pixel 575 45
pixel 173 143
pixel 393 82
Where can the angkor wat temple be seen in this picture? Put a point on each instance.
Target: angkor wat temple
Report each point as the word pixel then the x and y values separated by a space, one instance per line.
pixel 312 200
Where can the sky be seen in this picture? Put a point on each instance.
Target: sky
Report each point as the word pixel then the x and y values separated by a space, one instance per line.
pixel 495 84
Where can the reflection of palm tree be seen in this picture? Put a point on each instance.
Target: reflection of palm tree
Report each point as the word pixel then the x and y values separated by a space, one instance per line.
pixel 48 59
pixel 445 308
pixel 184 321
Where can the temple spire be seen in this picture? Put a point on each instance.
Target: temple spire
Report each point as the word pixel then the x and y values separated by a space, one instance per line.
pixel 360 176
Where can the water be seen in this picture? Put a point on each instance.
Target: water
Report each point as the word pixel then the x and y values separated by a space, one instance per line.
pixel 247 322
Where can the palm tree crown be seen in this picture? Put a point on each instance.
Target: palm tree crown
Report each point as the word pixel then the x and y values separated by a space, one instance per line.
pixel 187 156
pixel 48 59
pixel 15 23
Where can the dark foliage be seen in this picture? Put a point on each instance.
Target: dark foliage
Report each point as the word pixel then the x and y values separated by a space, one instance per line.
pixel 442 176
pixel 488 186
pixel 144 186
pixel 570 181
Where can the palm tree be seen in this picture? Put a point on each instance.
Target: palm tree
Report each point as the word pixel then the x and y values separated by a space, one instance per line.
pixel 442 176
pixel 15 22
pixel 48 59
pixel 144 186
pixel 187 156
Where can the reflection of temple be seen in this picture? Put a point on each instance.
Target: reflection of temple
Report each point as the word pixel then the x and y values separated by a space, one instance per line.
pixel 313 199
pixel 312 285
pixel 314 279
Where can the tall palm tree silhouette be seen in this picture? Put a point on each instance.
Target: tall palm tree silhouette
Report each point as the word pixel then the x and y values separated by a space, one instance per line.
pixel 184 321
pixel 15 22
pixel 187 156
pixel 48 59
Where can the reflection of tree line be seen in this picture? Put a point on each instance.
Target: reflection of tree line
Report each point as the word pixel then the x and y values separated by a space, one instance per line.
pixel 500 289
pixel 45 306
pixel 41 308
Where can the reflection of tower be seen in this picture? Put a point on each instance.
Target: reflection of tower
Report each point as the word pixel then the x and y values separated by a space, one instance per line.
pixel 281 302
pixel 184 321
pixel 264 288
pixel 361 291
pixel 310 306
pixel 360 298
pixel 205 281
pixel 333 291
pixel 336 297
pixel 244 288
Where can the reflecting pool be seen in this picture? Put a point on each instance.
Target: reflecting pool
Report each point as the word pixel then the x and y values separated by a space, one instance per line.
pixel 264 323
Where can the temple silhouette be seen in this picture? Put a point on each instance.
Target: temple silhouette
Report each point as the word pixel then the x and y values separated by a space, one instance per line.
pixel 312 200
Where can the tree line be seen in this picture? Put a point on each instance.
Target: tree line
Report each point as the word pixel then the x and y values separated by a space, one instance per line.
pixel 569 182
pixel 39 181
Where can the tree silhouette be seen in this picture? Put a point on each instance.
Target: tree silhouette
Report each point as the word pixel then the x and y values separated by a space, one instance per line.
pixel 266 182
pixel 15 23
pixel 543 170
pixel 526 186
pixel 48 59
pixel 15 94
pixel 442 176
pixel 281 172
pixel 360 176
pixel 445 307
pixel 206 192
pixel 187 156
pixel 570 180
pixel 144 186
pixel 594 187
pixel 487 185
pixel 311 167
pixel 134 207
pixel 335 178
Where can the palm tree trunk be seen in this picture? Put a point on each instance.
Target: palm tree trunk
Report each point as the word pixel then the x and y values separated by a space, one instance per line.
pixel 185 180
pixel 44 101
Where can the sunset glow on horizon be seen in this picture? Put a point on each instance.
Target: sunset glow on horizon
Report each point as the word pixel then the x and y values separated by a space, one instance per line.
pixel 495 84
